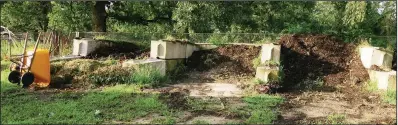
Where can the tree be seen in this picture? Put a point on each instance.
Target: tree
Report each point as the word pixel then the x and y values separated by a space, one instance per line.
pixel 99 16
pixel 70 16
pixel 26 16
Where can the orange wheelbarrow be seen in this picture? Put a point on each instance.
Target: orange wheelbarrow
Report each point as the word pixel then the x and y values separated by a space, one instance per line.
pixel 30 67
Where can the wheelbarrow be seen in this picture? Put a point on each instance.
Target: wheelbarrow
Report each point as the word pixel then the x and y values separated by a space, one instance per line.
pixel 30 67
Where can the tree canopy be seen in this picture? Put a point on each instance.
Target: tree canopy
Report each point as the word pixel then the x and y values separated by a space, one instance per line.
pixel 352 18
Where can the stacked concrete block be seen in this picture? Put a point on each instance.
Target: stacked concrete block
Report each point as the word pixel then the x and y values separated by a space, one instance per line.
pixel 157 64
pixel 374 56
pixel 83 47
pixel 266 73
pixel 270 52
pixel 171 50
pixel 384 79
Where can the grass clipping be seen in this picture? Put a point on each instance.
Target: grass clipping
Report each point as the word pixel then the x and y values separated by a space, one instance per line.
pixel 89 73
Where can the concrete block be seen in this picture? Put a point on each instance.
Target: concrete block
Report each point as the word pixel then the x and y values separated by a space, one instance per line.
pixel 270 52
pixel 153 63
pixel 384 79
pixel 206 46
pixel 266 73
pixel 190 49
pixel 366 56
pixel 171 50
pixel 83 47
pixel 171 65
pixel 374 56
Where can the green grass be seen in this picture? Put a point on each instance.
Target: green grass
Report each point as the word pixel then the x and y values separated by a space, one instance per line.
pixel 119 103
pixel 258 81
pixel 148 75
pixel 333 119
pixel 256 62
pixel 262 108
pixel 371 86
pixel 390 96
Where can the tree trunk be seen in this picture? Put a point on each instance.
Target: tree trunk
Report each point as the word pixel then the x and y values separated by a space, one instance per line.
pixel 99 16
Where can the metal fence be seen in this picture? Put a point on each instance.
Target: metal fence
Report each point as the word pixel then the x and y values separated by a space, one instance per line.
pixel 65 40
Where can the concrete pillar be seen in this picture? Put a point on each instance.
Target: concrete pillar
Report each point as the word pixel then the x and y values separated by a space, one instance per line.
pixel 84 46
pixel 384 79
pixel 270 52
pixel 374 56
pixel 157 64
pixel 171 50
pixel 266 73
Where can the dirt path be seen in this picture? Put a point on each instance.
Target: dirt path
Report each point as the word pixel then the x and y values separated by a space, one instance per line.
pixel 355 106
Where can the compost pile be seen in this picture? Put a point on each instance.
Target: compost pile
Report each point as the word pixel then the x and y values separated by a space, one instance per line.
pixel 118 50
pixel 229 59
pixel 312 57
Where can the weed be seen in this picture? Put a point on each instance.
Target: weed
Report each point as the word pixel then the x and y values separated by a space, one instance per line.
pixel 371 86
pixel 309 84
pixel 262 108
pixel 333 119
pixel 281 74
pixel 258 81
pixel 216 39
pixel 177 72
pixel 110 75
pixel 256 62
pixel 271 63
pixel 167 120
pixel 148 75
pixel 390 96
pixel 201 122
pixel 113 103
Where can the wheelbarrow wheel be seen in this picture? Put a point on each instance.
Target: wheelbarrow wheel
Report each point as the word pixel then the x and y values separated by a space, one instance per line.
pixel 27 79
pixel 14 76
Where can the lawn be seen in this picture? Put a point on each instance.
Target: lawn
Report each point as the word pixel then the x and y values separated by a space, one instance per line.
pixel 120 103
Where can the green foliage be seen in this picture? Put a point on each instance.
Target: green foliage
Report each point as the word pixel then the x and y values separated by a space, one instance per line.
pixel 256 62
pixel 70 16
pixel 76 107
pixel 281 74
pixel 26 15
pixel 258 81
pixel 167 120
pixel 310 84
pixel 262 108
pixel 334 119
pixel 148 75
pixel 110 75
pixel 390 96
pixel 178 72
pixel 371 86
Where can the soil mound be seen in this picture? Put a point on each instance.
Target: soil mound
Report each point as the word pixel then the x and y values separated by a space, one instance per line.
pixel 118 50
pixel 232 59
pixel 312 57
